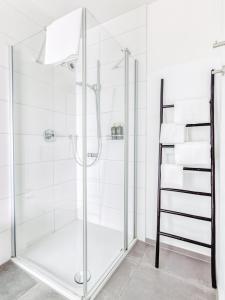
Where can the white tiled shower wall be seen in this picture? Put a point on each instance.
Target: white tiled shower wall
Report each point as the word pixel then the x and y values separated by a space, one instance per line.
pixel 105 180
pixel 45 171
pixel 131 31
pixel 48 171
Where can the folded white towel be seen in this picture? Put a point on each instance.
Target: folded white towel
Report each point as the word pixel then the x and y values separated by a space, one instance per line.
pixel 191 111
pixel 62 39
pixel 193 153
pixel 171 176
pixel 172 133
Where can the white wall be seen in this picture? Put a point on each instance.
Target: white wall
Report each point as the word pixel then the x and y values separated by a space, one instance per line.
pixel 181 34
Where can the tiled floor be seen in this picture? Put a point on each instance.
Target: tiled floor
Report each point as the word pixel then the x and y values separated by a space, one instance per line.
pixel 179 278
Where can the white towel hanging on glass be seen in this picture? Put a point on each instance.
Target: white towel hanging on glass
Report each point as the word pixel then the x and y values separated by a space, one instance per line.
pixel 62 39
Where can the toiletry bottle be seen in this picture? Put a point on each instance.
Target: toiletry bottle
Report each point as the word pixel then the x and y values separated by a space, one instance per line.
pixel 113 131
pixel 119 132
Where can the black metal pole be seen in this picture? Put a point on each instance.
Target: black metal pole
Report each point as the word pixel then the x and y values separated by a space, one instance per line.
pixel 213 204
pixel 159 179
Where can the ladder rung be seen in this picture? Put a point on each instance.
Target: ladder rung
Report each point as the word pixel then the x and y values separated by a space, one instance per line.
pixel 180 238
pixel 172 212
pixel 168 105
pixel 197 169
pixel 198 124
pixel 186 191
pixel 167 146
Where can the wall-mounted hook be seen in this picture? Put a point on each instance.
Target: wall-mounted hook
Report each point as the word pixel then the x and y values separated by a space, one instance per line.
pixel 220 71
pixel 217 44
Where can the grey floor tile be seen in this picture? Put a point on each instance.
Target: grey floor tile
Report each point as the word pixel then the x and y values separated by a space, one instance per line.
pixel 137 251
pixel 148 283
pixel 119 280
pixel 193 270
pixel 104 295
pixel 179 278
pixel 14 282
pixel 41 292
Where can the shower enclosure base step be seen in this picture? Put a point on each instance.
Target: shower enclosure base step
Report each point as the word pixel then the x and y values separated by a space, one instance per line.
pixel 56 258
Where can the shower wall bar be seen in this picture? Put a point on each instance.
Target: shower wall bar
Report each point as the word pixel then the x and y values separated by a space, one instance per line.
pixel 12 171
pixel 135 143
pixel 84 146
pixel 126 145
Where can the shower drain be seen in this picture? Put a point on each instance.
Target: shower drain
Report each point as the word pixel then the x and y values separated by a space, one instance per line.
pixel 79 277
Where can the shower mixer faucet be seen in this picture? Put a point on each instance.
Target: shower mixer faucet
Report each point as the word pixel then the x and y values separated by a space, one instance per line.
pixel 49 135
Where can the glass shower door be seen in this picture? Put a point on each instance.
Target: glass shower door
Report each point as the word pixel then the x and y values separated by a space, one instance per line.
pixel 105 151
pixel 49 233
pixel 110 152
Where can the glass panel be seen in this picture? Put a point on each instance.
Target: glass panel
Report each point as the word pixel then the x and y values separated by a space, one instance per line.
pixel 105 185
pixel 48 185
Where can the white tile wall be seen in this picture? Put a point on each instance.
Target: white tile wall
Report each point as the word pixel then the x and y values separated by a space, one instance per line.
pixel 105 185
pixel 45 173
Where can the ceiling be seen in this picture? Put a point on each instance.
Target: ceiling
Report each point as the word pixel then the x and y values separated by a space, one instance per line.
pixel 22 18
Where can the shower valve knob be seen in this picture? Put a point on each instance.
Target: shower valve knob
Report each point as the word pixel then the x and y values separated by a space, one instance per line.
pixel 49 135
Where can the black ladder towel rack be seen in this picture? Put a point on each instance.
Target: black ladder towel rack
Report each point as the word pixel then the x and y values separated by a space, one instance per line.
pixel 160 210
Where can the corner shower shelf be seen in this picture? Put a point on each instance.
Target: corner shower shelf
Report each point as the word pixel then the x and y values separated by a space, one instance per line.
pixel 116 137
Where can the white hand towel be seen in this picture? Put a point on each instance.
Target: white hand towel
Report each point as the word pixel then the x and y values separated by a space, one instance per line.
pixel 172 133
pixel 191 112
pixel 63 39
pixel 171 176
pixel 193 153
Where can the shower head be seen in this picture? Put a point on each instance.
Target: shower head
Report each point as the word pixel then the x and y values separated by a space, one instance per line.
pixel 118 64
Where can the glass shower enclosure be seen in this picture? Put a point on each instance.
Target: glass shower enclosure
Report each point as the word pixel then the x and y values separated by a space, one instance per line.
pixel 74 152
